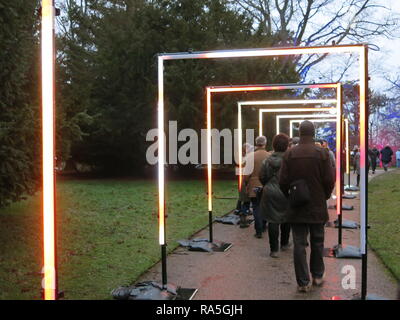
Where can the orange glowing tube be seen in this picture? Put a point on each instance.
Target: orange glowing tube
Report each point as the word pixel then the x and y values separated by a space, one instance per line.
pixel 49 283
pixel 209 158
pixel 346 123
pixel 339 150
pixel 363 150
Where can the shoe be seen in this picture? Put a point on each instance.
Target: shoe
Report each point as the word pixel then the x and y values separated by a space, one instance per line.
pixel 285 247
pixel 319 281
pixel 258 235
pixel 274 254
pixel 304 289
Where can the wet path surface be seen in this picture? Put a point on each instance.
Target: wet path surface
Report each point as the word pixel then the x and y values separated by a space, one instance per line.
pixel 247 272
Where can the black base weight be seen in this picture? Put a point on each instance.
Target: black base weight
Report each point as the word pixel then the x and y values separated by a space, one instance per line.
pixel 203 245
pixel 151 290
pixel 343 252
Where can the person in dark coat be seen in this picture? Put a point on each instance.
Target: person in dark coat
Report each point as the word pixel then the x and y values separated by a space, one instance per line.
pixel 273 206
pixel 386 158
pixel 311 165
pixel 374 155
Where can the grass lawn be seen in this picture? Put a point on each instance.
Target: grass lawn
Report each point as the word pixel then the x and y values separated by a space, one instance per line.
pixel 107 234
pixel 384 218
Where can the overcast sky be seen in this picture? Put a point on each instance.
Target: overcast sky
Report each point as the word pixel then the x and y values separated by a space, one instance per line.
pixel 387 60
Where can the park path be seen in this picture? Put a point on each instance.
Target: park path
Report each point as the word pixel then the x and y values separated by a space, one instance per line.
pixel 246 272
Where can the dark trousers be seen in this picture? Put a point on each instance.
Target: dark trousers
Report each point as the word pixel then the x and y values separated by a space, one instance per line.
pixel 373 165
pixel 300 234
pixel 259 223
pixel 273 234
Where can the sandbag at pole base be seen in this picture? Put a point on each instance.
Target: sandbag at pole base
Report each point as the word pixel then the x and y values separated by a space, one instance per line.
pixel 346 251
pixel 203 245
pixel 150 290
pixel 351 188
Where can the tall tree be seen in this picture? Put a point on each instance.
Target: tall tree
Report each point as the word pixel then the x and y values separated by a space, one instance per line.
pixel 19 116
pixel 320 22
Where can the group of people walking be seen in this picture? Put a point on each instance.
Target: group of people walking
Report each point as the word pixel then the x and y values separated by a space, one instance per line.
pixel 374 158
pixel 288 190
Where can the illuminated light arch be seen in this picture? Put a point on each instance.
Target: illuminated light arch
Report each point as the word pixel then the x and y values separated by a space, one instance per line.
pixel 303 117
pixel 360 49
pixel 323 120
pixel 337 101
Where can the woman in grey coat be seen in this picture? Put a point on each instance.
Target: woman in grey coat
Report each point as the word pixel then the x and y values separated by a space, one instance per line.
pixel 274 204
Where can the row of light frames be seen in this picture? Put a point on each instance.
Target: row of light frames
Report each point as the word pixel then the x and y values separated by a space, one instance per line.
pixel 323 120
pixel 283 102
pixel 331 114
pixel 337 101
pixel 276 110
pixel 49 283
pixel 260 129
pixel 360 49
pixel 246 88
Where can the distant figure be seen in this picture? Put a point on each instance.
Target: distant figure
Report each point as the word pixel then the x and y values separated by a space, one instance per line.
pixel 386 157
pixel 306 179
pixel 331 156
pixel 274 205
pixel 357 165
pixel 398 158
pixel 374 155
pixel 252 182
pixel 243 204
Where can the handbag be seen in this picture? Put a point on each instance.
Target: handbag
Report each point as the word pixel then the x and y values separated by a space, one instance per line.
pixel 299 193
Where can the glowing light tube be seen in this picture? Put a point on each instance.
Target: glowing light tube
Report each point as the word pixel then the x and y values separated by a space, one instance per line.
pixel 270 87
pixel 49 283
pixel 240 143
pixel 209 158
pixel 339 151
pixel 346 124
pixel 363 148
pixel 312 120
pixel 161 160
pixel 262 52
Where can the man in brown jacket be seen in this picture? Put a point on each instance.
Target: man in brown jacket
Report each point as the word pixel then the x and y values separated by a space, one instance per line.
pixel 312 164
pixel 254 161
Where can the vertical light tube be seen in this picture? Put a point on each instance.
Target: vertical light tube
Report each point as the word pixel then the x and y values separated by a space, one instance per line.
pixel 260 122
pixel 277 126
pixel 339 150
pixel 363 145
pixel 161 160
pixel 209 158
pixel 346 123
pixel 49 242
pixel 240 147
